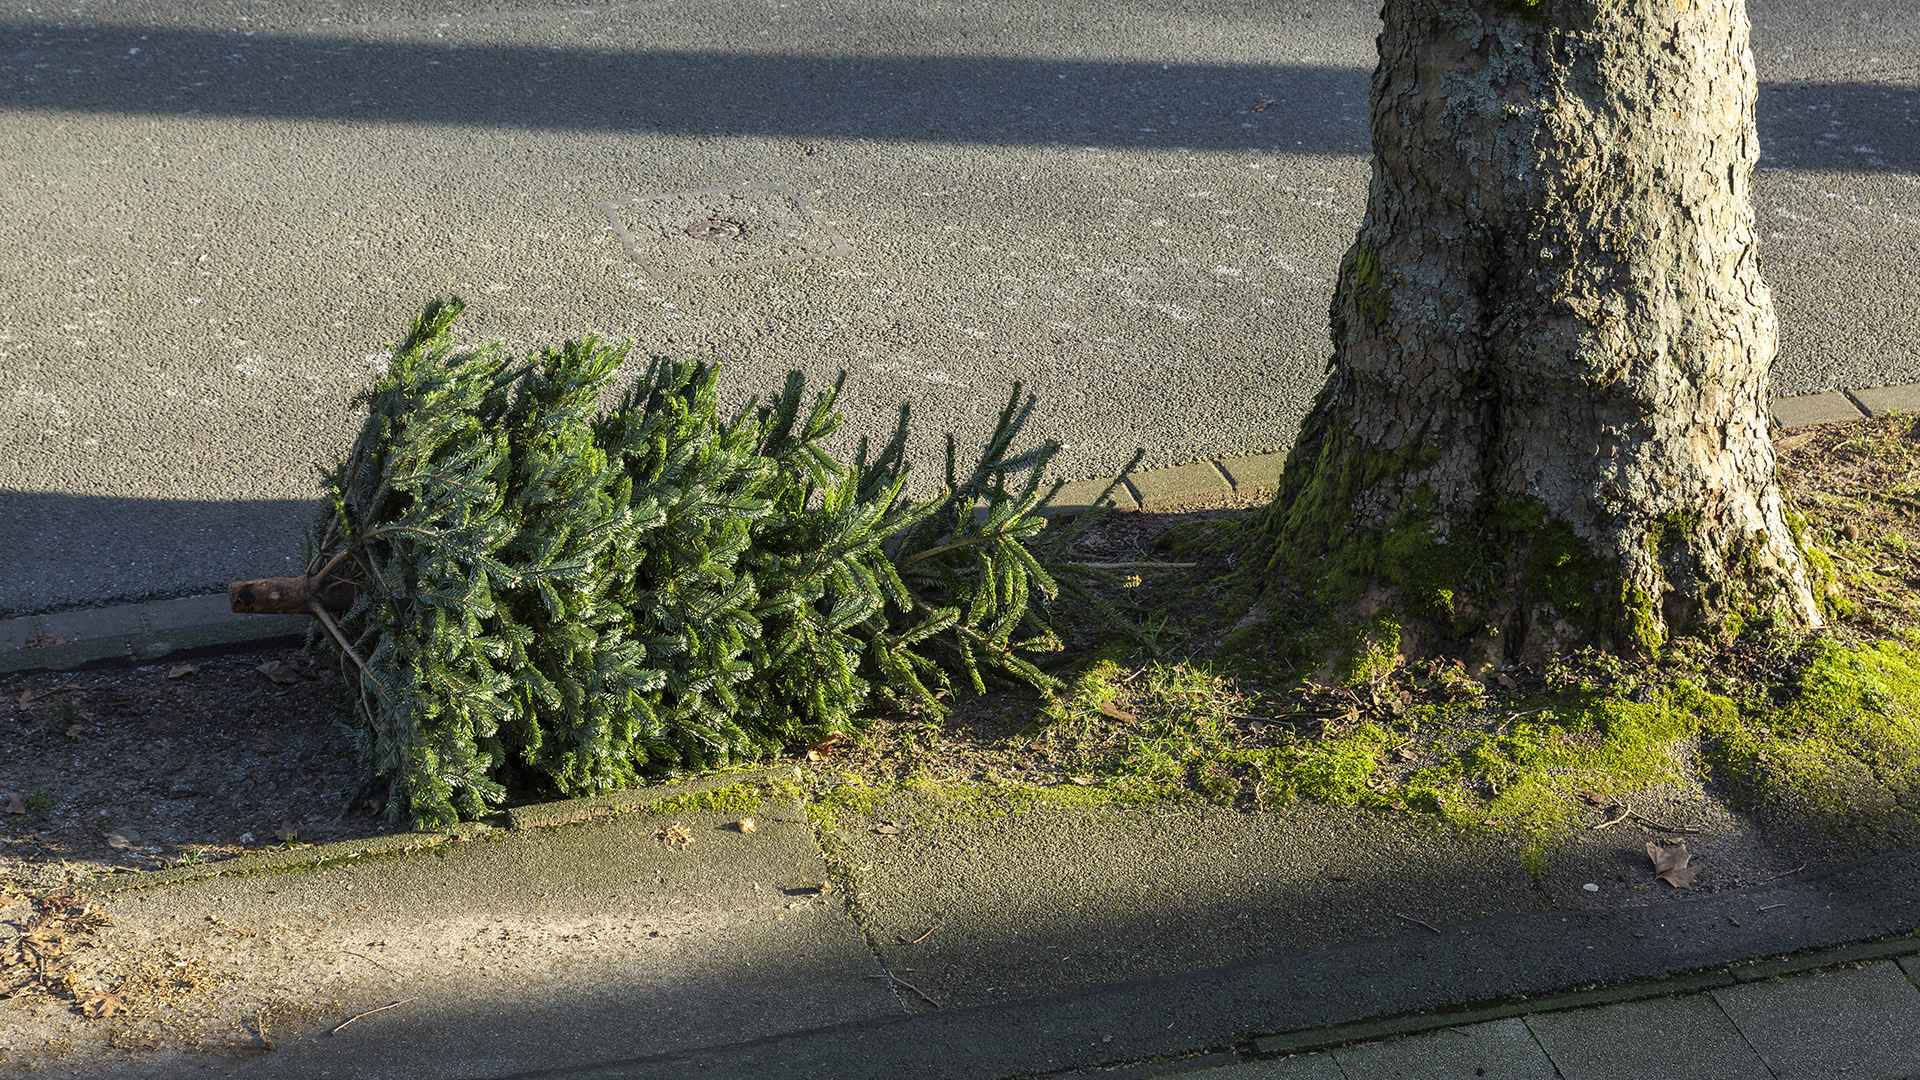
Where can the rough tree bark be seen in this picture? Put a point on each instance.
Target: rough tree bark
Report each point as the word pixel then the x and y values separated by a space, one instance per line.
pixel 1546 421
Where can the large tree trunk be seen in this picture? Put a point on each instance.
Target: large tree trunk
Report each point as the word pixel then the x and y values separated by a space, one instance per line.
pixel 1547 416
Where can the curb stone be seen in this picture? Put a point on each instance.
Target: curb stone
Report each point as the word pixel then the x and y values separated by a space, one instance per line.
pixel 136 633
pixel 1904 949
pixel 1884 400
pixel 145 632
pixel 1829 408
pixel 548 815
pixel 284 860
pixel 1158 489
pixel 545 815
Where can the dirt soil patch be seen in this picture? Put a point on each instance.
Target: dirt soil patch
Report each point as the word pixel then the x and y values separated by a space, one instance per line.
pixel 167 764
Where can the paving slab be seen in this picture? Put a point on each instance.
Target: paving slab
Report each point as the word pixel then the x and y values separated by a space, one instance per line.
pixel 1824 408
pixel 1678 1038
pixel 1911 965
pixel 1501 1050
pixel 1297 1067
pixel 1857 1024
pixel 1885 400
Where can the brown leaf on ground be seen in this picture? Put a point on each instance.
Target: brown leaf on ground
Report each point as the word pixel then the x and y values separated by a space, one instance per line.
pixel 1118 713
pixel 886 828
pixel 279 671
pixel 819 751
pixel 746 825
pixel 12 803
pixel 100 1006
pixel 181 671
pixel 674 836
pixel 1672 862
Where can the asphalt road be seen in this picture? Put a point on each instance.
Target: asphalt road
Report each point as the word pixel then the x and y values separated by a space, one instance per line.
pixel 214 218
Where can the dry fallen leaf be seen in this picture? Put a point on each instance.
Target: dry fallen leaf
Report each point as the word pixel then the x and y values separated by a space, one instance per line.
pixel 181 671
pixel 1118 713
pixel 1672 862
pixel 12 803
pixel 886 828
pixel 101 1006
pixel 745 825
pixel 279 672
pixel 674 836
pixel 1786 443
pixel 122 840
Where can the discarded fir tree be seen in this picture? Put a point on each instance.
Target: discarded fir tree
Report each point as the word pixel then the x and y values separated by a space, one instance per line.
pixel 525 588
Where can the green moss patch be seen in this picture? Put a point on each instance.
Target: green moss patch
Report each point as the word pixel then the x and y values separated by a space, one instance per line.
pixel 1812 732
pixel 1844 745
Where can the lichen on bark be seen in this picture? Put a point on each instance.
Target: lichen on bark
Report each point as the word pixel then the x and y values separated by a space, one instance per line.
pixel 1546 417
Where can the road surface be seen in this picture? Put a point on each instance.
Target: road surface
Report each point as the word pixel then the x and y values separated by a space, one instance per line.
pixel 217 216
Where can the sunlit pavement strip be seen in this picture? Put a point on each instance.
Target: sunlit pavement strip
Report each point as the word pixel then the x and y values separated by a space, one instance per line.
pixel 156 629
pixel 1858 1023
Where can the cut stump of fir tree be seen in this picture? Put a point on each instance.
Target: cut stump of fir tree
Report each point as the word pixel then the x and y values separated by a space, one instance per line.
pixel 288 595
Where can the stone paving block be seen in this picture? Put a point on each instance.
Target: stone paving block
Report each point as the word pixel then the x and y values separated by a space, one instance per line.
pixel 1498 1050
pixel 190 611
pixel 1078 497
pixel 1856 1023
pixel 1256 474
pixel 1683 1038
pixel 1912 966
pixel 1882 400
pixel 1299 1067
pixel 1158 489
pixel 1814 409
pixel 23 632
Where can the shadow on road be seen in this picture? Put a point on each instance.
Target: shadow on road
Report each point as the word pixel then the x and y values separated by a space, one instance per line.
pixel 162 547
pixel 131 69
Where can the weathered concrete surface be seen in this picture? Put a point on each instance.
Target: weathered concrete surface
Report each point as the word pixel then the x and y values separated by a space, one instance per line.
pixel 220 214
pixel 524 952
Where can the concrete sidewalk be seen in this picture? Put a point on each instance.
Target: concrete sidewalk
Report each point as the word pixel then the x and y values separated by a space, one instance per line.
pixel 1859 1022
pixel 663 941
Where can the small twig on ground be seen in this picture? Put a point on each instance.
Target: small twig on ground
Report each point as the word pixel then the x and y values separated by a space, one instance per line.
pixel 369 1012
pixel 368 959
pixel 1777 877
pixel 1661 825
pixel 1417 922
pixel 1624 815
pixel 1770 907
pixel 923 937
pixel 898 981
